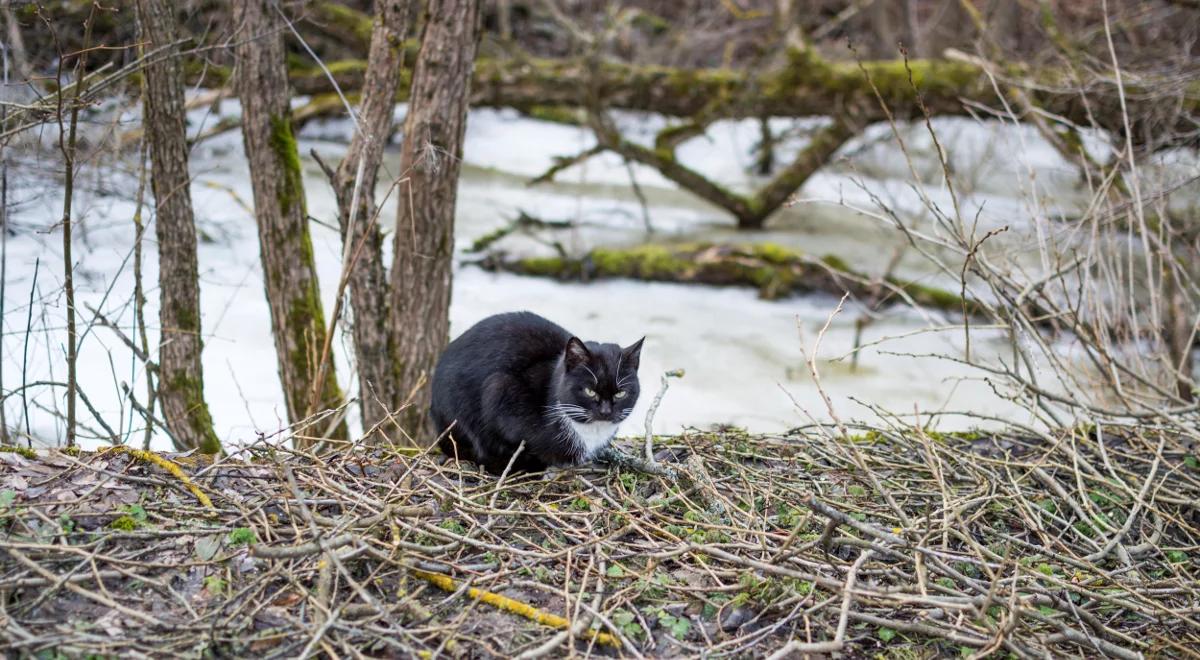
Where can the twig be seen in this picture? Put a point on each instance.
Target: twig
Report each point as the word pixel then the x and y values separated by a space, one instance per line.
pixel 662 390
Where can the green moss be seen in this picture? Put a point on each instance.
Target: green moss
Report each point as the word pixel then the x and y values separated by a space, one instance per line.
pixel 344 19
pixel 198 417
pixel 242 536
pixel 344 67
pixel 558 114
pixel 23 451
pixel 283 143
pixel 835 262
pixel 483 242
pixel 125 523
pixel 186 318
pixel 544 266
pixel 934 297
pixel 652 23
pixel 306 323
pixel 206 73
pixel 650 262
pixel 673 135
pixel 774 253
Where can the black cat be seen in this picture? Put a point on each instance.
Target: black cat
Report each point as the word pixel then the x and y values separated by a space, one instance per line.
pixel 518 377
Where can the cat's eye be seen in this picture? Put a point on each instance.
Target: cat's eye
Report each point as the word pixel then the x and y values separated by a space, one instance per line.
pixel 620 395
pixel 589 392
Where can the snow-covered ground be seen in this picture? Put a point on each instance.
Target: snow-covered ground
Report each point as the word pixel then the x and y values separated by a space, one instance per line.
pixel 742 355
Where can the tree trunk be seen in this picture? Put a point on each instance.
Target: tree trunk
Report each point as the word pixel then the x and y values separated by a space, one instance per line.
pixel 430 159
pixel 181 376
pixel 297 317
pixel 368 277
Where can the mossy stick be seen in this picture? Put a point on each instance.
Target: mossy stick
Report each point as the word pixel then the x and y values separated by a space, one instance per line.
pixel 447 583
pixel 168 465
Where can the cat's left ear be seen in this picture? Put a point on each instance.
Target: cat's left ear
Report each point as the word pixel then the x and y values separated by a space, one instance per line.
pixel 577 353
pixel 632 355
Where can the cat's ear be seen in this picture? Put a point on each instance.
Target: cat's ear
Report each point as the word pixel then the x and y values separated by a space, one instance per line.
pixel 577 353
pixel 632 355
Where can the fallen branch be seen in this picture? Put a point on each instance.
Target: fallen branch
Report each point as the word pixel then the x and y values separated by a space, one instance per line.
pixel 775 271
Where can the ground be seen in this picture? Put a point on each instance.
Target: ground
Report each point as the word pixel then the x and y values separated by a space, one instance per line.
pixel 1078 543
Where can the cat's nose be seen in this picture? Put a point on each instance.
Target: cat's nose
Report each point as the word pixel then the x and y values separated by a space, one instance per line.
pixel 605 408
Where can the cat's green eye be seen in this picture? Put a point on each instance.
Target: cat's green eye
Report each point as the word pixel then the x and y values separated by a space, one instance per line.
pixel 620 395
pixel 591 394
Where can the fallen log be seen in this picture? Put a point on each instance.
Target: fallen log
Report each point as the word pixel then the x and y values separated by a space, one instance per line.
pixel 775 271
pixel 807 85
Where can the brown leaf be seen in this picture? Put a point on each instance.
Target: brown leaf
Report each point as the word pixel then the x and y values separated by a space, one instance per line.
pixel 287 599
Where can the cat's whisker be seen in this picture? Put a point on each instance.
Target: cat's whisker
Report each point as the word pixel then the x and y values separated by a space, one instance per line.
pixel 589 370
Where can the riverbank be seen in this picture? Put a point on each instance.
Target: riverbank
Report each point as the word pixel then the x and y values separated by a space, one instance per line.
pixel 1080 543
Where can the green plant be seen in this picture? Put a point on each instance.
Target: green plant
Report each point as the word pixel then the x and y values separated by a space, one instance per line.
pixel 215 584
pixel 242 536
pixel 628 624
pixel 678 626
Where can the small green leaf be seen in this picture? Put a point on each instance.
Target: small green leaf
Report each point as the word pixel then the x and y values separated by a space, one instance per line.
pixel 1047 610
pixel 886 634
pixel 1192 462
pixel 1045 569
pixel 242 536
pixel 860 517
pixel 1176 556
pixel 137 513
pixel 857 491
pixel 7 496
pixel 214 584
pixel 615 571
pixel 678 626
pixel 1048 505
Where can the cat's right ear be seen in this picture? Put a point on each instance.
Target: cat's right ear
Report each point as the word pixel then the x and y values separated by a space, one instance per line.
pixel 577 353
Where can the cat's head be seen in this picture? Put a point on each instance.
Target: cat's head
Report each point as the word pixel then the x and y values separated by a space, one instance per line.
pixel 599 382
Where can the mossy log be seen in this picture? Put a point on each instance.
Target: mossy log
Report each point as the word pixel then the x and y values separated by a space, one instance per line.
pixel 807 85
pixel 774 270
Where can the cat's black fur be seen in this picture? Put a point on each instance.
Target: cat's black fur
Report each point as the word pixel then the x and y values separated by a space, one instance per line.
pixel 518 377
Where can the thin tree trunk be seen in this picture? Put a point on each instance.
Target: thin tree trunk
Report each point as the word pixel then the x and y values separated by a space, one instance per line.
pixel 181 376
pixel 368 277
pixel 289 272
pixel 430 159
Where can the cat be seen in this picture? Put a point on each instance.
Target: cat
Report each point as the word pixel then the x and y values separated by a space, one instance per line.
pixel 518 377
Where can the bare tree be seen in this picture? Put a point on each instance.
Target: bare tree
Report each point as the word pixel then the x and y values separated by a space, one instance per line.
pixel 181 376
pixel 354 187
pixel 289 272
pixel 430 159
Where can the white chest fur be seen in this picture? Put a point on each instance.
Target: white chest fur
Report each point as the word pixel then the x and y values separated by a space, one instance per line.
pixel 593 436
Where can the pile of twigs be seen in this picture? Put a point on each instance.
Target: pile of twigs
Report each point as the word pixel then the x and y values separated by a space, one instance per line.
pixel 1084 543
